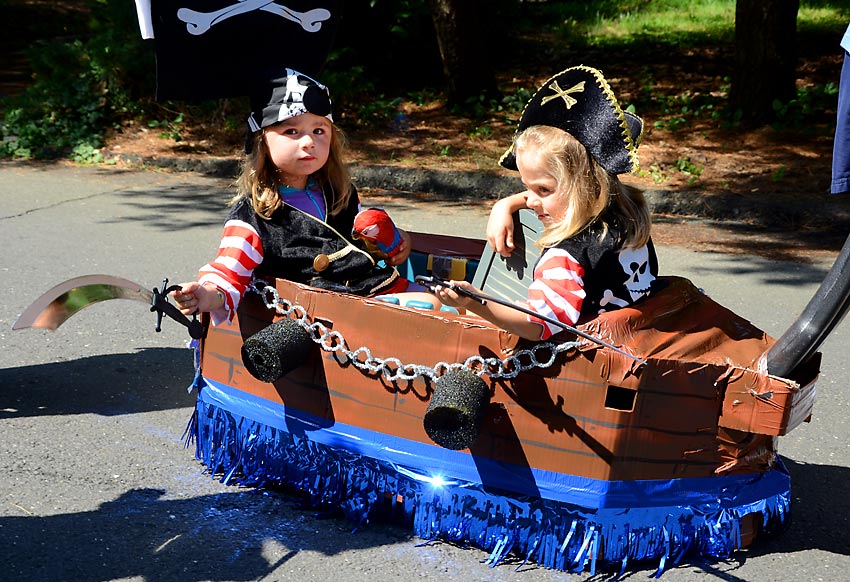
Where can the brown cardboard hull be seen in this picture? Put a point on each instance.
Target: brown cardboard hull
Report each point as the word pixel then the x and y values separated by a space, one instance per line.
pixel 698 407
pixel 663 446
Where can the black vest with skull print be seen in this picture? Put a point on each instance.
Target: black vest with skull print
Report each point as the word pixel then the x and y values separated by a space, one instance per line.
pixel 614 276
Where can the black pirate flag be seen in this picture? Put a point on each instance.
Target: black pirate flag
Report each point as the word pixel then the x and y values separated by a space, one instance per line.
pixel 207 49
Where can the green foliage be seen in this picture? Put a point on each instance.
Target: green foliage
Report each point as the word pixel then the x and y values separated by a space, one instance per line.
pixel 353 92
pixel 809 99
pixel 680 110
pixel 684 165
pixel 81 86
pixel 390 43
pixel 64 107
pixel 817 17
pixel 169 129
pixel 516 102
pixel 614 23
pixel 422 97
pixel 655 27
pixel 656 173
pixel 480 131
pixel 379 110
pixel 483 107
pixel 690 168
pixel 85 153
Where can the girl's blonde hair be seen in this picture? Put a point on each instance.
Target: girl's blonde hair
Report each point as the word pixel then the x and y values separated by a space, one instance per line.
pixel 584 187
pixel 259 180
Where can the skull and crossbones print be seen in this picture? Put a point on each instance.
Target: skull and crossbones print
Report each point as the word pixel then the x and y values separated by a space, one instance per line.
pixel 200 22
pixel 638 279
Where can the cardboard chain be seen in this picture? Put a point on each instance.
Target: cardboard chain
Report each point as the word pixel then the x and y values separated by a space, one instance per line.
pixel 393 369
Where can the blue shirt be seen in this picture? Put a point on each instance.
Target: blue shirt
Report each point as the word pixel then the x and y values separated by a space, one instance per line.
pixel 311 200
pixel 841 145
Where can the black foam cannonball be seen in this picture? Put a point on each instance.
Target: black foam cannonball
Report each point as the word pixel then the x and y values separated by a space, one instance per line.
pixel 457 408
pixel 276 350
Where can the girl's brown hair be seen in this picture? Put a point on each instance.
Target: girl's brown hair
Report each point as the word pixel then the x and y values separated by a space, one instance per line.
pixel 258 181
pixel 585 188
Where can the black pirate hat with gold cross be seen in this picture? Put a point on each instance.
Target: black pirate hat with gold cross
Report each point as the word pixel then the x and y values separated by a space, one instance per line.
pixel 579 101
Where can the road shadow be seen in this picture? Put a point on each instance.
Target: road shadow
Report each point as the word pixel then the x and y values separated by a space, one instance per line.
pixel 770 272
pixel 804 246
pixel 820 512
pixel 166 208
pixel 233 536
pixel 148 380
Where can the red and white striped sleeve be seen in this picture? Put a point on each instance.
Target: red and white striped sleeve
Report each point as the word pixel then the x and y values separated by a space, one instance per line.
pixel 239 253
pixel 557 291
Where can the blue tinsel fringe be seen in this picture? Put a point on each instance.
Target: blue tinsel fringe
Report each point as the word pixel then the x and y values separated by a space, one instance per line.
pixel 555 535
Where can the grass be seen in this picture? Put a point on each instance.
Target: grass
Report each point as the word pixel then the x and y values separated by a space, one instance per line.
pixel 676 22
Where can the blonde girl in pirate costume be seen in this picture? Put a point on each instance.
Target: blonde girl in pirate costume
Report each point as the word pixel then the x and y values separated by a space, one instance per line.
pixel 572 142
pixel 294 210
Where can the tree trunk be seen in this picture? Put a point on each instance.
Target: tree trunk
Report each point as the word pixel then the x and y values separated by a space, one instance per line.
pixel 765 57
pixel 463 39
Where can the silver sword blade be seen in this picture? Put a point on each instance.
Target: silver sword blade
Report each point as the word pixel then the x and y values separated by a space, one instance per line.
pixel 55 306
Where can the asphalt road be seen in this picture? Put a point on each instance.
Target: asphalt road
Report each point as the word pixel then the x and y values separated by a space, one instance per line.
pixel 95 483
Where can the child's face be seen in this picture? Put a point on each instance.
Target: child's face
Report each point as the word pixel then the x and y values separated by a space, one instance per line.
pixel 299 146
pixel 542 194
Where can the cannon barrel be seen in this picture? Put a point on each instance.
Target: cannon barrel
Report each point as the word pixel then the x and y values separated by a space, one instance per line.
pixel 825 310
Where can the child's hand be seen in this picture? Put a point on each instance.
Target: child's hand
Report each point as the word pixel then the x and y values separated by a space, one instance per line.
pixel 404 248
pixel 454 299
pixel 500 236
pixel 193 298
pixel 185 298
pixel 500 225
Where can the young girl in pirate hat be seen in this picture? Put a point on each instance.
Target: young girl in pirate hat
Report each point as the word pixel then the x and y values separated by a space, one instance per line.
pixel 294 210
pixel 572 142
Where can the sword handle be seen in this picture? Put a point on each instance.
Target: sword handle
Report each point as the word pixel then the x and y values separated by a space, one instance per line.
pixel 160 304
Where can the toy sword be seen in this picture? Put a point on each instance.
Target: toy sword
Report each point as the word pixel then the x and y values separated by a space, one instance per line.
pixel 483 298
pixel 56 305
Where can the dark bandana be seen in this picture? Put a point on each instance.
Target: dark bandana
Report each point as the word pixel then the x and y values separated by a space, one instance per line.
pixel 288 94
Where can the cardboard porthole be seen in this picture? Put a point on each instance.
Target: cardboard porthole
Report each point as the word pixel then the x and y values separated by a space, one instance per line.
pixel 619 398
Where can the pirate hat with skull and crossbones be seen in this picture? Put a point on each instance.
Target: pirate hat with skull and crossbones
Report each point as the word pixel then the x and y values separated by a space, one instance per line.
pixel 579 101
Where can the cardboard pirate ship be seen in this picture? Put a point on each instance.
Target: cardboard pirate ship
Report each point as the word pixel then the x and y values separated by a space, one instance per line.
pixel 645 434
pixel 580 455
pixel 649 434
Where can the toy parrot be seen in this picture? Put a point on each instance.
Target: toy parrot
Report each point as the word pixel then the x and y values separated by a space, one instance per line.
pixel 378 231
